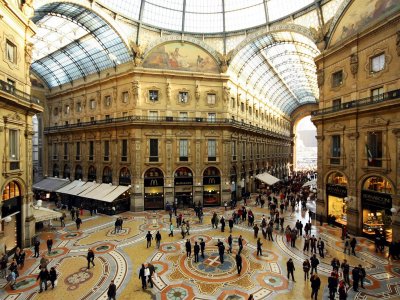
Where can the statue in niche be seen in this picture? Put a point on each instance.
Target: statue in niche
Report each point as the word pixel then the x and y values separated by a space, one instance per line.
pixel 227 93
pixel 28 53
pixel 197 92
pixel 224 61
pixel 354 64
pixel 320 77
pixel 169 92
pixel 135 90
pixel 398 43
pixel 138 50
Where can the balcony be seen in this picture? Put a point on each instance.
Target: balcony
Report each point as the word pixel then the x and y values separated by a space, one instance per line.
pixel 358 103
pixel 10 89
pixel 157 121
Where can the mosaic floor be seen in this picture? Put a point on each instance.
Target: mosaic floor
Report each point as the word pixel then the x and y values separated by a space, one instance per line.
pixel 119 256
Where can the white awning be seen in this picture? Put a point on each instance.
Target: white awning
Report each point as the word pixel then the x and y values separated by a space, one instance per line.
pixel 80 188
pixel 267 178
pixel 50 184
pixel 115 193
pixel 311 183
pixel 43 214
pixel 91 186
pixel 100 192
pixel 70 186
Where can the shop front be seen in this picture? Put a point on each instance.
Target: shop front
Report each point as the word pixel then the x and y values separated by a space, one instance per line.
pixel 336 194
pixel 183 183
pixel 153 189
pixel 376 203
pixel 11 226
pixel 211 187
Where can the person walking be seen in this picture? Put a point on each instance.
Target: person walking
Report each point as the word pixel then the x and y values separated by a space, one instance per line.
pixel 259 247
pixel 72 212
pixel 221 251
pixel 353 244
pixel 12 279
pixel 230 224
pixel 202 247
pixel 149 237
pixel 112 291
pixel 306 243
pixel 222 221
pixel 306 268
pixel 21 258
pixel 36 247
pixel 196 250
pixel 43 261
pixel 62 219
pixel 49 243
pixel 356 278
pixel 53 277
pixel 142 276
pixel 187 227
pixel 363 274
pixel 256 229
pixel 314 263
pixel 315 285
pixel 332 285
pixel 151 270
pixel 188 247
pixel 43 276
pixel 238 259
pixel 346 246
pixel 78 222
pixel 346 271
pixel 290 269
pixel 90 258
pixel 171 229
pixel 342 290
pixel 321 247
pixel 313 243
pixel 240 243
pixel 158 239
pixel 230 243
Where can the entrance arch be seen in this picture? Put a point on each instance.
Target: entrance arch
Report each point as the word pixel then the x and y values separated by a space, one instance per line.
pixel 212 187
pixel 107 175
pixel 183 183
pixel 154 189
pixel 11 212
pixel 305 144
pixel 124 176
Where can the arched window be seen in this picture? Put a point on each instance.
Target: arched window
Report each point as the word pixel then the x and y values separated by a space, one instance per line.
pixel 92 173
pixel 107 175
pixel 124 176
pixel 56 170
pixel 67 171
pixel 12 190
pixel 78 172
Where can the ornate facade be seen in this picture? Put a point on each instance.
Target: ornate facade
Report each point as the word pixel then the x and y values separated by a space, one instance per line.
pixel 358 121
pixel 17 108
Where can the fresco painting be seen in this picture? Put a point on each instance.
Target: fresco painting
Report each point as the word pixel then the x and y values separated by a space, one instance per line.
pixel 361 14
pixel 181 57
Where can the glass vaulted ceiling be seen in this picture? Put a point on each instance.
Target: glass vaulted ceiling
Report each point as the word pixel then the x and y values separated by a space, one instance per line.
pixel 72 42
pixel 280 68
pixel 205 16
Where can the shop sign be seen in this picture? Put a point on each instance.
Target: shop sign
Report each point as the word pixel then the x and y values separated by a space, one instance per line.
pixel 211 180
pixel 336 190
pixel 183 181
pixel 376 199
pixel 153 181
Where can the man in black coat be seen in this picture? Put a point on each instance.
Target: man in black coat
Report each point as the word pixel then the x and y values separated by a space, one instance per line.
pixel 90 258
pixel 196 249
pixel 356 278
pixel 188 246
pixel 221 251
pixel 49 244
pixel 321 247
pixel 37 247
pixel 314 263
pixel 238 259
pixel 290 269
pixel 202 247
pixel 112 291
pixel 240 243
pixel 43 277
pixel 78 222
pixel 149 237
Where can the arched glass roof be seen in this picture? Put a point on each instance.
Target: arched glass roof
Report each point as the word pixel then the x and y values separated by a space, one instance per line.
pixel 73 42
pixel 280 68
pixel 205 16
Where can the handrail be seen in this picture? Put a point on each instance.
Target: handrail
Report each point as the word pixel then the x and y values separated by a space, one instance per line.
pixel 358 103
pixel 156 120
pixel 10 89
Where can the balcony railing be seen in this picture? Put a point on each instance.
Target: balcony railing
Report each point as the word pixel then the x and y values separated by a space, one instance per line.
pixel 158 120
pixel 10 89
pixel 358 103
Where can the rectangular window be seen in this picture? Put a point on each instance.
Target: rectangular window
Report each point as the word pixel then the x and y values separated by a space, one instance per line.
pixel 183 97
pixel 153 115
pixel 79 107
pixel 250 111
pixel 212 150
pixel 212 117
pixel 153 95
pixel 233 101
pixel 242 107
pixel 251 151
pixel 92 104
pixel 106 150
pixel 65 151
pixel 337 78
pixel 14 149
pixel 153 150
pixel 92 120
pixel 78 151
pixel 124 150
pixel 377 94
pixel 183 116
pixel 67 109
pixel 107 100
pixel 11 52
pixel 335 150
pixel 125 97
pixel 233 143
pixel 55 151
pixel 211 98
pixel 378 63
pixel 183 150
pixel 244 150
pixel 374 148
pixel 91 150
pixel 336 104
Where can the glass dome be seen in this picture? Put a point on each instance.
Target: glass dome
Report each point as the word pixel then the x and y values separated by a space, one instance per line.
pixel 206 16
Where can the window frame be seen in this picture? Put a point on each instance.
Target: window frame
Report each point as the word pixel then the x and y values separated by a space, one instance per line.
pixel 13 47
pixel 335 149
pixel 153 150
pixel 212 149
pixel 335 82
pixel 211 98
pixel 183 150
pixel 379 59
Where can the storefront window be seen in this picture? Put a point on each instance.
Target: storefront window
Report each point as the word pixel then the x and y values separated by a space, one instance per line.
pixel 336 192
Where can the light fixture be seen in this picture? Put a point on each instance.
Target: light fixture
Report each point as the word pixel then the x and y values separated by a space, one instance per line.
pixel 394 210
pixel 7 219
